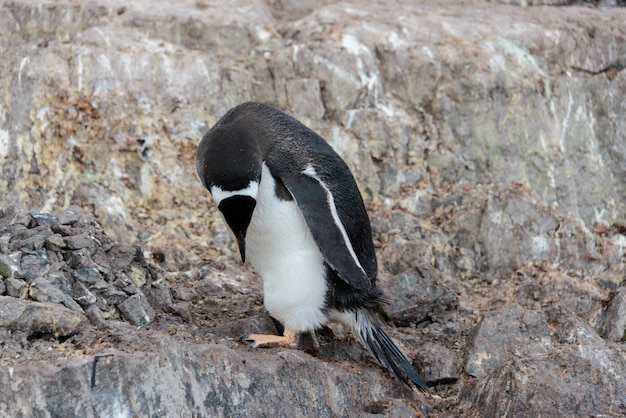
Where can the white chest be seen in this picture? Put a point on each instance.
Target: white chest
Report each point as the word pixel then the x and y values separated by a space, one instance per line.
pixel 282 250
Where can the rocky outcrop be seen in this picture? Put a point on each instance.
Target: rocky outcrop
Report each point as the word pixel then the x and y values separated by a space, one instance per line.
pixel 487 140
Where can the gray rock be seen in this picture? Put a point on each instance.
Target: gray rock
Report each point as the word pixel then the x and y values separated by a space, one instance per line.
pixel 417 295
pixel 9 267
pixel 205 379
pixel 80 259
pixel 87 275
pixel 159 295
pixel 16 288
pixel 112 295
pixel 70 215
pixel 76 242
pixel 614 318
pixel 42 290
pixel 45 219
pixel 38 318
pixel 137 310
pixel 438 364
pixel 35 265
pixel 120 256
pixel 3 287
pixel 583 376
pixel 509 332
pixel 82 294
pixel 95 317
pixel 14 215
pixel 54 242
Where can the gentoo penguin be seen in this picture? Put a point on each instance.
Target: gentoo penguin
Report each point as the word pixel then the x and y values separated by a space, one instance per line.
pixel 297 215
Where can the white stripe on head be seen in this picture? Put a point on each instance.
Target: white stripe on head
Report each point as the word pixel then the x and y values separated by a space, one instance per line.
pixel 310 172
pixel 220 194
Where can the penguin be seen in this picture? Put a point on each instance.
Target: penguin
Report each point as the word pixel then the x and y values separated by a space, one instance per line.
pixel 297 215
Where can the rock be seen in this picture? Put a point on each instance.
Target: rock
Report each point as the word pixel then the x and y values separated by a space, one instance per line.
pixel 614 318
pixel 137 310
pixel 120 256
pixel 583 376
pixel 70 215
pixel 39 319
pixel 76 242
pixel 82 294
pixel 16 288
pixel 45 219
pixel 14 215
pixel 207 379
pixel 9 268
pixel 417 295
pixel 510 331
pixel 88 275
pixel 438 364
pixel 35 265
pixel 43 291
pixel 80 259
pixel 55 242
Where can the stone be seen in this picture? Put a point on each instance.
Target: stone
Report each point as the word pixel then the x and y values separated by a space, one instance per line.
pixel 438 364
pixel 35 265
pixel 417 295
pixel 76 242
pixel 69 215
pixel 39 319
pixel 614 317
pixel 80 259
pixel 509 331
pixel 88 275
pixel 42 290
pixel 583 376
pixel 82 294
pixel 208 379
pixel 137 310
pixel 54 242
pixel 45 219
pixel 16 288
pixel 9 267
pixel 120 256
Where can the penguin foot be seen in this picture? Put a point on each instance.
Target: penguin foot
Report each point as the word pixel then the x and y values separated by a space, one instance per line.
pixel 264 340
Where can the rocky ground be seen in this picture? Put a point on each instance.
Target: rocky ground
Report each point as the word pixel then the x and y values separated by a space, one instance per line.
pixel 488 142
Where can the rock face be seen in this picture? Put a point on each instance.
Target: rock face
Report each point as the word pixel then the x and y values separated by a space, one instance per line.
pixel 487 140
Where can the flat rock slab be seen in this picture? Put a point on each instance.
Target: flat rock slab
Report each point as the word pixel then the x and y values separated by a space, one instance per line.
pixel 200 379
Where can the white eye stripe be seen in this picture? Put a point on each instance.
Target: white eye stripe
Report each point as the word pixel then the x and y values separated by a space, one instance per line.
pixel 220 194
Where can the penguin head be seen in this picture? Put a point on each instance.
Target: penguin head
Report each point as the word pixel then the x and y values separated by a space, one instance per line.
pixel 229 165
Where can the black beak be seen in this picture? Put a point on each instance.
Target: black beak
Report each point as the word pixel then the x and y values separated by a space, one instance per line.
pixel 241 243
pixel 237 211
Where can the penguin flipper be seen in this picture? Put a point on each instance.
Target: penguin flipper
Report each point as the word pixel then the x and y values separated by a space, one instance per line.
pixel 320 213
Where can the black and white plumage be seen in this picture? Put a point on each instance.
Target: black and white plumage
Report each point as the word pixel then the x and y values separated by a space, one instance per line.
pixel 297 215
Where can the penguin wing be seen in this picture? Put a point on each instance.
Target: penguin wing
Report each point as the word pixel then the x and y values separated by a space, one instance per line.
pixel 317 204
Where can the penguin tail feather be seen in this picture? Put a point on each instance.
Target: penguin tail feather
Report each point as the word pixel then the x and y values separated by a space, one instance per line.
pixel 369 330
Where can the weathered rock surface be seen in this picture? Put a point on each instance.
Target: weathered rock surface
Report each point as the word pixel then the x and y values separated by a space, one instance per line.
pixel 487 140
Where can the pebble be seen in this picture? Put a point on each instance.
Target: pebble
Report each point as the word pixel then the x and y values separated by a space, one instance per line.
pixel 137 310
pixel 70 215
pixel 16 288
pixel 9 267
